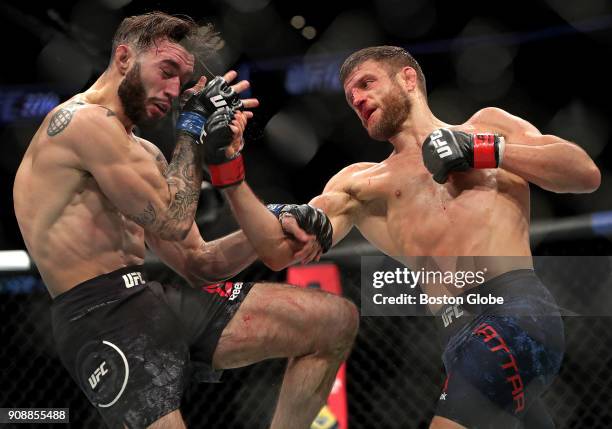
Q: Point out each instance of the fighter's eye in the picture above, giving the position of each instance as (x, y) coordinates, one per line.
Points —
(166, 73)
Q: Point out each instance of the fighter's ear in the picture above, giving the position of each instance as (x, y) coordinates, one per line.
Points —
(408, 76)
(123, 58)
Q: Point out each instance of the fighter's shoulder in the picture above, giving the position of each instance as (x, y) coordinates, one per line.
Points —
(345, 176)
(74, 118)
(501, 120)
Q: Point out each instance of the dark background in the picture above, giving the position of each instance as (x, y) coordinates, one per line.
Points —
(544, 61)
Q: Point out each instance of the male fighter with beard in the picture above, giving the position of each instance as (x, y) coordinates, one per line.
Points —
(89, 193)
(472, 214)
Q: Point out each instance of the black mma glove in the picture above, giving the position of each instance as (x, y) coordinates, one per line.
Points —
(201, 105)
(312, 220)
(445, 151)
(218, 136)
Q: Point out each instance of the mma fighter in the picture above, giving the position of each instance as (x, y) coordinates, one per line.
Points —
(454, 197)
(89, 193)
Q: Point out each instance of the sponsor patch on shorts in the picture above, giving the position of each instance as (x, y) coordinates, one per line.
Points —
(229, 290)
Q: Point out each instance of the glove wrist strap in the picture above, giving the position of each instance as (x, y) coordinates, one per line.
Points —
(276, 209)
(227, 174)
(192, 123)
(486, 151)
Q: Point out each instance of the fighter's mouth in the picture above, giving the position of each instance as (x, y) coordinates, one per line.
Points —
(162, 107)
(366, 113)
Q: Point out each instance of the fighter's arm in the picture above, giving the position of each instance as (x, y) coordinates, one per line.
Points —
(269, 237)
(276, 246)
(548, 161)
(197, 261)
(338, 204)
(201, 262)
(162, 205)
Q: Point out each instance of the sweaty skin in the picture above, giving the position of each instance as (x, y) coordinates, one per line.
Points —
(71, 229)
(89, 193)
(88, 190)
(466, 223)
(475, 216)
(478, 220)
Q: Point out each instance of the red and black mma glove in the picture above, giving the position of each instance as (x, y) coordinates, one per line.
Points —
(311, 219)
(218, 135)
(200, 106)
(445, 151)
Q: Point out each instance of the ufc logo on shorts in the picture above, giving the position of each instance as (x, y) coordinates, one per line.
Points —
(441, 146)
(218, 101)
(236, 291)
(133, 279)
(94, 378)
(449, 312)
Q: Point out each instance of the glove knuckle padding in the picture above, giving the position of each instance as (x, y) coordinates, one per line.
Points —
(202, 106)
(218, 135)
(312, 220)
(216, 94)
(224, 171)
(445, 151)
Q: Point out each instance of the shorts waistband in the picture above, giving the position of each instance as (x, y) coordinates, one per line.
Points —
(523, 283)
(120, 282)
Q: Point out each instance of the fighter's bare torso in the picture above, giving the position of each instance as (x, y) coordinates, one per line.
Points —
(401, 210)
(480, 212)
(69, 226)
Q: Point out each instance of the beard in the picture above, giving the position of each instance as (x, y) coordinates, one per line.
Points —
(396, 107)
(133, 95)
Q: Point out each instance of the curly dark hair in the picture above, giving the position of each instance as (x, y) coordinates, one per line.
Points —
(143, 31)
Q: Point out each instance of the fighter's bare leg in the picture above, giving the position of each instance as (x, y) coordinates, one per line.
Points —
(443, 423)
(314, 329)
(172, 420)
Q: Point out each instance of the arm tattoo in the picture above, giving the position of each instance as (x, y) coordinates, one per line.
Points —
(186, 161)
(61, 119)
(147, 217)
(184, 177)
(162, 163)
(184, 202)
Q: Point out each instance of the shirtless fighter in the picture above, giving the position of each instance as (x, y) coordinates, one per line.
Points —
(457, 195)
(89, 193)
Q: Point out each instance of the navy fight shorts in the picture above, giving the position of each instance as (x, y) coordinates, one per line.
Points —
(500, 358)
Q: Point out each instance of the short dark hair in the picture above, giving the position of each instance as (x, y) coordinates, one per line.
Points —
(393, 56)
(143, 31)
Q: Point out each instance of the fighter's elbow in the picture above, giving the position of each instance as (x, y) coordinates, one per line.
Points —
(583, 181)
(588, 176)
(591, 179)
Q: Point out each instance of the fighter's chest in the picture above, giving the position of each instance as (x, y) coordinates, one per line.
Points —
(406, 189)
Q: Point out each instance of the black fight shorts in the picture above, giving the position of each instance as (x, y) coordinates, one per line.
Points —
(131, 345)
(500, 358)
